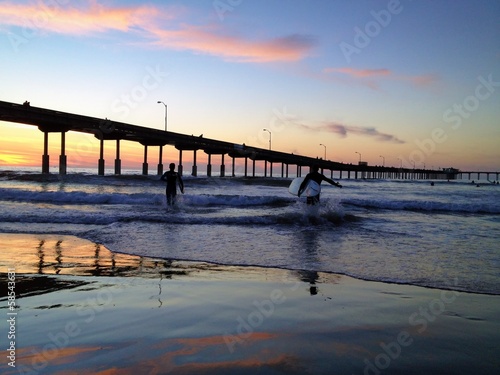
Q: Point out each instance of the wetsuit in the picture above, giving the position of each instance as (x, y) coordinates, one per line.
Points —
(172, 179)
(316, 177)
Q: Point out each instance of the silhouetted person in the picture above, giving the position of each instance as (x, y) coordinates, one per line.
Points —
(316, 177)
(173, 179)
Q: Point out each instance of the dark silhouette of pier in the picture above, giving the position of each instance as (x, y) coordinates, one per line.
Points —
(52, 121)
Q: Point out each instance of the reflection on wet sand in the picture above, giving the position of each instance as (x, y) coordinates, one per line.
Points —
(27, 285)
(38, 257)
(68, 255)
(213, 319)
(76, 257)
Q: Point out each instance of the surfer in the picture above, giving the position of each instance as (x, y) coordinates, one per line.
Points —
(316, 177)
(173, 179)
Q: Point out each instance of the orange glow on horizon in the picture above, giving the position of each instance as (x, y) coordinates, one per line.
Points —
(22, 146)
(16, 160)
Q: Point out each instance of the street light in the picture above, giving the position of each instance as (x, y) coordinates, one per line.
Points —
(269, 137)
(321, 144)
(401, 163)
(359, 155)
(383, 165)
(159, 101)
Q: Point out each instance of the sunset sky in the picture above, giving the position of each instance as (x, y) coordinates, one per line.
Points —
(411, 82)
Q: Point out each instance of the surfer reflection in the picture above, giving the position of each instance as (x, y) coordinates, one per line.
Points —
(173, 179)
(307, 252)
(310, 277)
(316, 177)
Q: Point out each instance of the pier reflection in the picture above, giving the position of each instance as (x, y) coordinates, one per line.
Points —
(67, 255)
(38, 257)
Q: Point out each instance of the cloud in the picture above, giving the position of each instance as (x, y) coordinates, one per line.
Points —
(200, 40)
(424, 80)
(65, 19)
(360, 73)
(372, 77)
(345, 130)
(154, 27)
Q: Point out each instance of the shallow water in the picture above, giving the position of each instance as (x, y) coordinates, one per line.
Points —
(409, 232)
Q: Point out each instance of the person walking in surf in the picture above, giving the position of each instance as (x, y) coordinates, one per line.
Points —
(316, 177)
(173, 179)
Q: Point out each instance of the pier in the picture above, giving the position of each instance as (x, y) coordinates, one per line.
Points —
(106, 131)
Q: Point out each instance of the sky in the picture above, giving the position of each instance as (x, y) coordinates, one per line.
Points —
(394, 82)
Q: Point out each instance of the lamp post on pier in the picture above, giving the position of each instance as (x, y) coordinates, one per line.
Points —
(160, 102)
(383, 163)
(321, 144)
(269, 137)
(358, 154)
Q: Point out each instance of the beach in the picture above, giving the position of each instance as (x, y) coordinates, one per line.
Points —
(250, 187)
(93, 311)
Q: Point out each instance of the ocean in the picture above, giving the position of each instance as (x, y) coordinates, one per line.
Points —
(398, 231)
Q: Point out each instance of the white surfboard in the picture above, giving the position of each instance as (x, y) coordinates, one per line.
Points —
(312, 188)
(295, 185)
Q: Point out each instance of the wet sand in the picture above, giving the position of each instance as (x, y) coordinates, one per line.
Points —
(81, 309)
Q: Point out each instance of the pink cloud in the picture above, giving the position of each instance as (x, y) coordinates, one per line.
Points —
(345, 130)
(360, 73)
(369, 77)
(65, 19)
(154, 26)
(424, 80)
(209, 41)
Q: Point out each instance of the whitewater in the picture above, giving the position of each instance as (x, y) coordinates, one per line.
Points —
(399, 231)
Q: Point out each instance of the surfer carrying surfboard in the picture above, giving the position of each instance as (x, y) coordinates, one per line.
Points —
(173, 179)
(317, 178)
